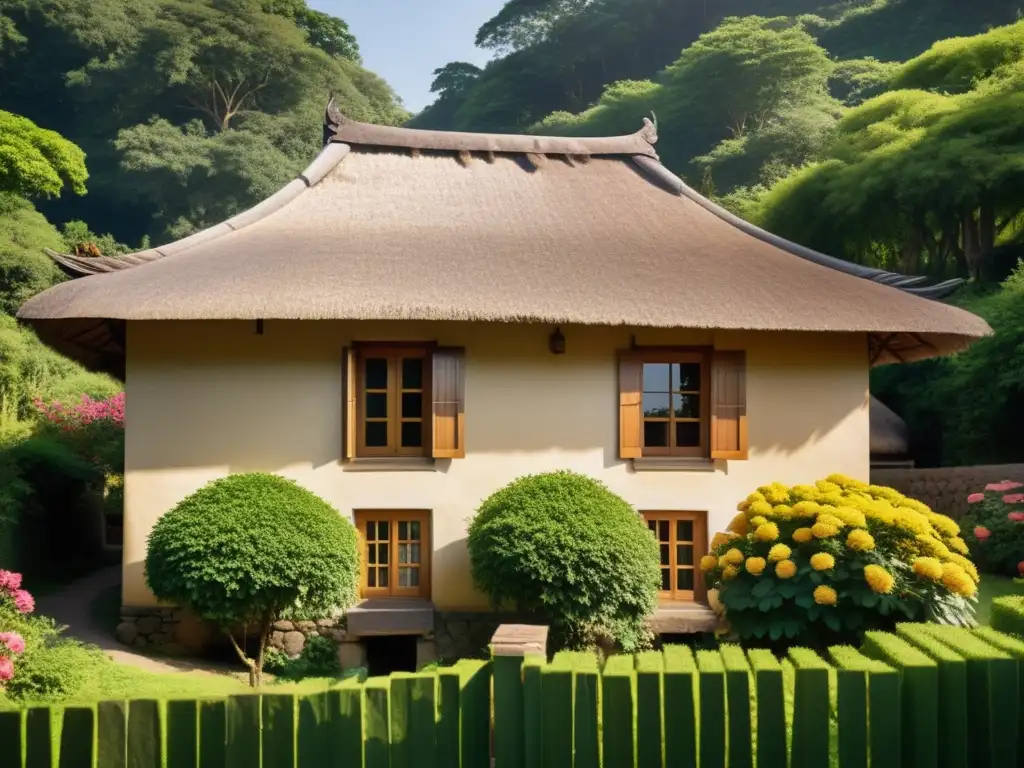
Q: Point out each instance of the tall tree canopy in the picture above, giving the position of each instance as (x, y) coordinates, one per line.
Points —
(35, 162)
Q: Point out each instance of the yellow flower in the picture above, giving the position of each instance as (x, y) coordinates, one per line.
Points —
(734, 556)
(755, 496)
(802, 535)
(785, 569)
(822, 561)
(739, 525)
(776, 493)
(957, 580)
(759, 508)
(756, 565)
(758, 520)
(860, 540)
(782, 511)
(879, 579)
(806, 508)
(851, 517)
(779, 552)
(928, 568)
(823, 530)
(804, 492)
(730, 572)
(767, 532)
(708, 563)
(720, 539)
(723, 562)
(831, 521)
(966, 564)
(958, 545)
(824, 595)
(847, 483)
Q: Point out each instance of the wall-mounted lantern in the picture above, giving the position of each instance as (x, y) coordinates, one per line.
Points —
(556, 342)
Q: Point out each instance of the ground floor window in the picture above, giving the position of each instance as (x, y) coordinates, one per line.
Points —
(395, 553)
(682, 541)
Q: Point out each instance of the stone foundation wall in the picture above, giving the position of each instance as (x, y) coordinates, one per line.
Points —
(945, 489)
(468, 635)
(291, 636)
(149, 627)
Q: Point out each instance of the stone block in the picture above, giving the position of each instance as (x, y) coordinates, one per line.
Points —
(293, 643)
(338, 635)
(284, 626)
(127, 632)
(326, 623)
(140, 642)
(305, 626)
(519, 640)
(351, 655)
(277, 640)
(426, 653)
(159, 638)
(148, 624)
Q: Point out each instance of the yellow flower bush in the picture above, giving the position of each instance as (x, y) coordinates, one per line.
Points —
(837, 557)
(822, 561)
(824, 595)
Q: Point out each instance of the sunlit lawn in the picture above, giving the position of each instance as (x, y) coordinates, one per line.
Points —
(991, 587)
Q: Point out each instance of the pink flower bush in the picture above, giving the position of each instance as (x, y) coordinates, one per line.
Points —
(84, 412)
(14, 642)
(6, 669)
(23, 601)
(992, 527)
(9, 582)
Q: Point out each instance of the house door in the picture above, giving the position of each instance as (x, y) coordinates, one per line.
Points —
(682, 542)
(395, 553)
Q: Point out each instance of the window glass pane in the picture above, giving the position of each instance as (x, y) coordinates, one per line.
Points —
(684, 530)
(686, 406)
(382, 553)
(403, 553)
(412, 434)
(687, 434)
(383, 577)
(663, 530)
(376, 373)
(686, 377)
(656, 377)
(371, 528)
(666, 580)
(414, 553)
(412, 405)
(656, 434)
(403, 530)
(376, 434)
(414, 577)
(685, 579)
(414, 530)
(371, 577)
(653, 525)
(403, 577)
(376, 405)
(412, 373)
(684, 554)
(656, 404)
(371, 554)
(664, 554)
(382, 530)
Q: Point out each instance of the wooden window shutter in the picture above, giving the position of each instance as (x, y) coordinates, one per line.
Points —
(449, 403)
(631, 422)
(349, 427)
(729, 405)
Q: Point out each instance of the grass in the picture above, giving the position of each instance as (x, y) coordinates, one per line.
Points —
(992, 587)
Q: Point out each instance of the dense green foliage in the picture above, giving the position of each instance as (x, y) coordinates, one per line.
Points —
(1008, 614)
(994, 528)
(828, 562)
(319, 658)
(564, 547)
(245, 548)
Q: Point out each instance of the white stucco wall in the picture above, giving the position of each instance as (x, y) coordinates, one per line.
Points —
(205, 399)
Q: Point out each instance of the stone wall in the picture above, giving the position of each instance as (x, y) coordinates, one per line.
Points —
(291, 636)
(945, 489)
(149, 627)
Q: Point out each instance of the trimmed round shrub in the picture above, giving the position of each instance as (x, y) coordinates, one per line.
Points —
(248, 547)
(994, 528)
(823, 563)
(564, 547)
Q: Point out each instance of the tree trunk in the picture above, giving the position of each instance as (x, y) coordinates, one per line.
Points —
(971, 243)
(986, 241)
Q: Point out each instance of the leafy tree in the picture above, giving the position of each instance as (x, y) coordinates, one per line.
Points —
(245, 548)
(454, 77)
(24, 269)
(521, 23)
(328, 33)
(856, 80)
(35, 162)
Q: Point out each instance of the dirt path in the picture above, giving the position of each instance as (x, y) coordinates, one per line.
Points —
(75, 606)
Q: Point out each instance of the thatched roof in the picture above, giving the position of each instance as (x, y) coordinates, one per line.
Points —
(392, 223)
(889, 435)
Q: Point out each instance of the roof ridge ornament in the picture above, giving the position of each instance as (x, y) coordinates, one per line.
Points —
(649, 132)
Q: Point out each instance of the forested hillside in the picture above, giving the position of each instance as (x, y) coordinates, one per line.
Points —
(144, 120)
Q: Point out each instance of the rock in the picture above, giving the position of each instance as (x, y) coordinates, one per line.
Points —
(284, 626)
(127, 632)
(140, 642)
(160, 638)
(148, 624)
(293, 643)
(178, 614)
(338, 635)
(446, 647)
(305, 626)
(426, 653)
(277, 639)
(327, 623)
(351, 655)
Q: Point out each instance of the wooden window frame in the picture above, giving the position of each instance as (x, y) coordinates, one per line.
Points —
(700, 548)
(393, 353)
(661, 355)
(393, 517)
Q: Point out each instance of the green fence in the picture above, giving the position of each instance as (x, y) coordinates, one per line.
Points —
(922, 697)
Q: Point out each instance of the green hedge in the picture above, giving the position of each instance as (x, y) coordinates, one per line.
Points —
(868, 704)
(1008, 614)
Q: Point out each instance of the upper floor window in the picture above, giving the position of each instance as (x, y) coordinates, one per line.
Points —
(682, 403)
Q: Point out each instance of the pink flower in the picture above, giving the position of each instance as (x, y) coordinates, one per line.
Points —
(1015, 516)
(1013, 498)
(1020, 567)
(9, 582)
(15, 643)
(1005, 485)
(974, 498)
(6, 668)
(981, 533)
(23, 601)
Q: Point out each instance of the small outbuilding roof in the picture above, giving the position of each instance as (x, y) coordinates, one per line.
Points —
(400, 224)
(889, 434)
